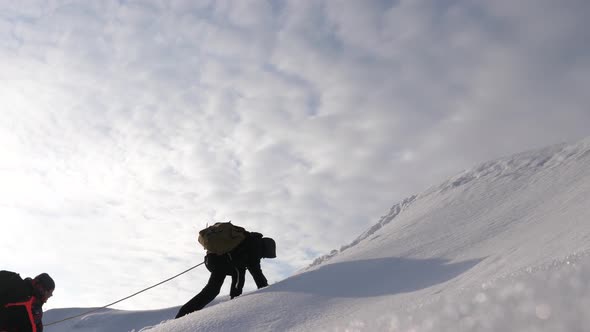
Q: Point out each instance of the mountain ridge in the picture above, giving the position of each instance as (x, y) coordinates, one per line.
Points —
(527, 163)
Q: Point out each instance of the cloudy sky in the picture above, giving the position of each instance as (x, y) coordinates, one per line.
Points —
(127, 126)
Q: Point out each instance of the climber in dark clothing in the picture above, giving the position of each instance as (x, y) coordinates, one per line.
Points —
(246, 255)
(21, 301)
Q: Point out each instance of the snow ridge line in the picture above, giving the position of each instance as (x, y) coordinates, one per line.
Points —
(520, 164)
(384, 220)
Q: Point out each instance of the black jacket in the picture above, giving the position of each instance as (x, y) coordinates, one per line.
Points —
(20, 309)
(246, 255)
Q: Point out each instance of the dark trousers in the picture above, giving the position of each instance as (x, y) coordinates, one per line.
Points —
(257, 275)
(208, 294)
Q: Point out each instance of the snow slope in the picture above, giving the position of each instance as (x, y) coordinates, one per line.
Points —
(503, 246)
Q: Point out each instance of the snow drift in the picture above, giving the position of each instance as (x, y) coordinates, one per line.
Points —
(502, 246)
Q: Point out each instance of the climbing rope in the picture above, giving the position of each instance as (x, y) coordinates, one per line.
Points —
(121, 300)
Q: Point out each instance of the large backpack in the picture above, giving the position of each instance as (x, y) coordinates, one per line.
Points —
(12, 288)
(221, 237)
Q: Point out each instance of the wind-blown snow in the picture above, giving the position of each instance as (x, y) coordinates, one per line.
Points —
(503, 246)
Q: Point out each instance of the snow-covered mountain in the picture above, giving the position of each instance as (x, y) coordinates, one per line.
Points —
(501, 247)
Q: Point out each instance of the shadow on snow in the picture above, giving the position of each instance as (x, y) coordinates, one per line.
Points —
(373, 277)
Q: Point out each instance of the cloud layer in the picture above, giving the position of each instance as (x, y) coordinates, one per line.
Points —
(129, 125)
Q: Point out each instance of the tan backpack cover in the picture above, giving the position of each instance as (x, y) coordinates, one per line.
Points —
(221, 237)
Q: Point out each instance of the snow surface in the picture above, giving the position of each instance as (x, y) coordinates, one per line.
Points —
(501, 247)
